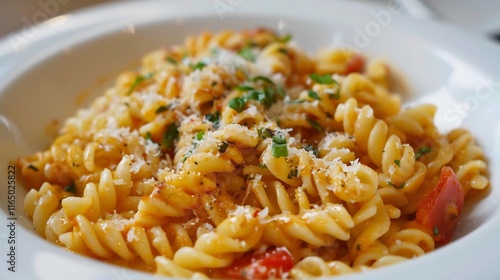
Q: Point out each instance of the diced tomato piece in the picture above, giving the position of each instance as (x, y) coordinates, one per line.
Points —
(271, 264)
(355, 64)
(438, 212)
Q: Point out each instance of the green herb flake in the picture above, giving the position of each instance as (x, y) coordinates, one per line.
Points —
(256, 95)
(279, 147)
(397, 187)
(199, 66)
(279, 150)
(263, 79)
(284, 39)
(247, 54)
(422, 151)
(322, 79)
(397, 162)
(148, 136)
(214, 83)
(281, 91)
(199, 135)
(435, 231)
(267, 97)
(314, 124)
(161, 109)
(187, 154)
(223, 147)
(237, 104)
(313, 95)
(32, 167)
(293, 173)
(296, 101)
(171, 134)
(310, 148)
(283, 51)
(264, 132)
(138, 80)
(262, 165)
(214, 118)
(279, 139)
(244, 88)
(71, 188)
(171, 60)
(335, 95)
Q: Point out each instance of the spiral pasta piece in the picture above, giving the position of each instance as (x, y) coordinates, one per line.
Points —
(468, 161)
(397, 160)
(238, 233)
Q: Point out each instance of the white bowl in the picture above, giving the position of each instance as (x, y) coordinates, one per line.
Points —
(75, 57)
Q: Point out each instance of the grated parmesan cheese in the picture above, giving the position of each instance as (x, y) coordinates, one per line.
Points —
(131, 236)
(136, 166)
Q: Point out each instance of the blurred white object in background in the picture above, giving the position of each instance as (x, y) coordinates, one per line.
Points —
(477, 15)
(480, 15)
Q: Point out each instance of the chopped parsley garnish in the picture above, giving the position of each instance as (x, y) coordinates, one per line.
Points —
(247, 54)
(279, 147)
(223, 147)
(314, 124)
(171, 60)
(148, 136)
(397, 162)
(171, 134)
(71, 188)
(262, 165)
(422, 151)
(199, 66)
(310, 148)
(237, 104)
(214, 83)
(296, 101)
(279, 139)
(313, 95)
(435, 231)
(284, 39)
(264, 132)
(336, 95)
(281, 91)
(199, 135)
(322, 79)
(188, 153)
(283, 51)
(397, 187)
(161, 109)
(266, 97)
(138, 80)
(244, 88)
(293, 173)
(214, 118)
(263, 79)
(32, 167)
(268, 94)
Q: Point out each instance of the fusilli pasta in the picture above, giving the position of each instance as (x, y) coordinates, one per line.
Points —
(239, 148)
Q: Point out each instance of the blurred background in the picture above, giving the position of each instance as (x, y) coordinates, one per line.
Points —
(477, 15)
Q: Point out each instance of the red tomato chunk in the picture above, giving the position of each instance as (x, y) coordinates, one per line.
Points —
(438, 212)
(271, 264)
